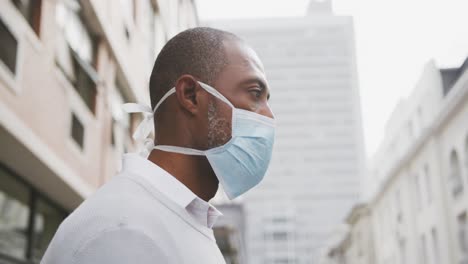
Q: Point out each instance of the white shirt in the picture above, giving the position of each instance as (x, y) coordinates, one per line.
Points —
(203, 212)
(143, 215)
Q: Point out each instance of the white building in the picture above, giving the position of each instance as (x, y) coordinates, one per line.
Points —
(420, 209)
(419, 199)
(357, 246)
(313, 179)
(66, 66)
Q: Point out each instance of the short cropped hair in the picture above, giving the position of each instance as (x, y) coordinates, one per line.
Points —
(197, 51)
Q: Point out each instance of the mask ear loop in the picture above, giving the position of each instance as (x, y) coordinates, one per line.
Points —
(215, 93)
(175, 149)
(169, 93)
(221, 97)
(190, 151)
(144, 128)
(180, 150)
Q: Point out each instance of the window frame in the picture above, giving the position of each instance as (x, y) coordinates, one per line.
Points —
(462, 233)
(456, 184)
(10, 79)
(121, 132)
(78, 64)
(80, 142)
(91, 74)
(34, 197)
(418, 191)
(34, 17)
(428, 182)
(466, 158)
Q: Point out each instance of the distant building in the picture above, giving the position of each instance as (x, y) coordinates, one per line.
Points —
(229, 232)
(357, 246)
(313, 180)
(66, 66)
(419, 199)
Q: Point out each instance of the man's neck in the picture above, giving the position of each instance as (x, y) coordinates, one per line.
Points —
(193, 171)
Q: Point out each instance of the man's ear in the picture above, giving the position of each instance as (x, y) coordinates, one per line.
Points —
(186, 92)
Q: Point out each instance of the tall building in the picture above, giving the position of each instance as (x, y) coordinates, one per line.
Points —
(314, 176)
(66, 66)
(419, 178)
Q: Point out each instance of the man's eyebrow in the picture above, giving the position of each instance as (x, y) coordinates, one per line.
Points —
(259, 82)
(255, 80)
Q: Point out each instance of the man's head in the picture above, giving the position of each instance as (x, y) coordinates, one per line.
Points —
(192, 117)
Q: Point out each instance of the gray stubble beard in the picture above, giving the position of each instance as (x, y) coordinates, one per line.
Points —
(218, 127)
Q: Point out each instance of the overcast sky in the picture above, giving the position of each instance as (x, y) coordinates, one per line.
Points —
(395, 38)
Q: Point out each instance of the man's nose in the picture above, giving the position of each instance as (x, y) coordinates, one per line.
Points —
(266, 111)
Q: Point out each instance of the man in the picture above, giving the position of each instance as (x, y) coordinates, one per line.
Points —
(156, 210)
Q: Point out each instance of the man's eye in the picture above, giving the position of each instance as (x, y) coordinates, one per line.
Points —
(256, 92)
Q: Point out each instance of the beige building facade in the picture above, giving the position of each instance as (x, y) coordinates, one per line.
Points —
(417, 182)
(357, 245)
(66, 66)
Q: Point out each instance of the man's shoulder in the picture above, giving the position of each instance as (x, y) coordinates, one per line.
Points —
(120, 204)
(115, 241)
(112, 198)
(121, 199)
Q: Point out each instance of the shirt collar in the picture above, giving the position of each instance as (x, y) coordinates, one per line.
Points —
(172, 188)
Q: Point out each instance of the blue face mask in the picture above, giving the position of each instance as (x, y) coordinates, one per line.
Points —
(242, 162)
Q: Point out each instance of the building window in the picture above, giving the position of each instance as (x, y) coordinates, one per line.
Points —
(31, 10)
(76, 53)
(427, 178)
(435, 245)
(77, 131)
(423, 248)
(279, 220)
(122, 122)
(456, 181)
(463, 234)
(398, 206)
(113, 124)
(418, 193)
(411, 130)
(128, 13)
(280, 236)
(420, 118)
(282, 261)
(47, 220)
(14, 213)
(402, 246)
(466, 157)
(28, 220)
(8, 47)
(84, 84)
(359, 244)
